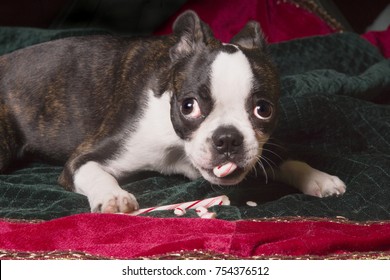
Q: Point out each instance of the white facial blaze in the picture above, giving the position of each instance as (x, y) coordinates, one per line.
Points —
(231, 85)
(231, 82)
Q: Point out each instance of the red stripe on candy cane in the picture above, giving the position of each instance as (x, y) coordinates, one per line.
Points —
(206, 203)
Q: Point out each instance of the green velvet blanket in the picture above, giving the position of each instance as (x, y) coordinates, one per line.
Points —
(334, 114)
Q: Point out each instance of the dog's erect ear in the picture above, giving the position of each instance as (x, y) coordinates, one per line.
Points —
(250, 37)
(192, 34)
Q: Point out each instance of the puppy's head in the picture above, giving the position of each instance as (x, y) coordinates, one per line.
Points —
(224, 98)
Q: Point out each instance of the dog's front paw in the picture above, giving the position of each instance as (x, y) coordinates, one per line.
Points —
(119, 201)
(310, 180)
(321, 184)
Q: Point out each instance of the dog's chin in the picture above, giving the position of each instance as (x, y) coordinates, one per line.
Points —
(232, 179)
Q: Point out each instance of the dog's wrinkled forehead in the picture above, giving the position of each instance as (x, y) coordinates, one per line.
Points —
(222, 76)
(231, 78)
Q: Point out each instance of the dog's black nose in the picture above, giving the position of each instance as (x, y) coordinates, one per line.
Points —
(227, 140)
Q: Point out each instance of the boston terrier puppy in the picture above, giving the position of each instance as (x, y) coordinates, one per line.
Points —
(110, 106)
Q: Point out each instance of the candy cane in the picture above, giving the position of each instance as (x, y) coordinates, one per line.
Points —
(182, 207)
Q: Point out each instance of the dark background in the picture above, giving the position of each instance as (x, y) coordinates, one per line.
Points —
(144, 16)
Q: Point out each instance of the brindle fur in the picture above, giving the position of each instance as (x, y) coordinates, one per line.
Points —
(70, 100)
(60, 99)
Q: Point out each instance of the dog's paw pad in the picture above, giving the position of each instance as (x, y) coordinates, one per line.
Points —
(117, 202)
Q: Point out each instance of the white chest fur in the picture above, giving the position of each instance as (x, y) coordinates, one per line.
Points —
(153, 145)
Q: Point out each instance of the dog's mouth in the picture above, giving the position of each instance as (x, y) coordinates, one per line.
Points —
(228, 173)
(225, 169)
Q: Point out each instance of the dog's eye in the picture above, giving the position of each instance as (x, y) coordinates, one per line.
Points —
(263, 110)
(190, 108)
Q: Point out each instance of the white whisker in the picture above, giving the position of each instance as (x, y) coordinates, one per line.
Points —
(270, 151)
(267, 161)
(265, 158)
(272, 144)
(265, 172)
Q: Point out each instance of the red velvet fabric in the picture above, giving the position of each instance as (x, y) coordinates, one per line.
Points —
(381, 39)
(123, 236)
(279, 20)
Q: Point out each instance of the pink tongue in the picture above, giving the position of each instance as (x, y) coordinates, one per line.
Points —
(224, 170)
